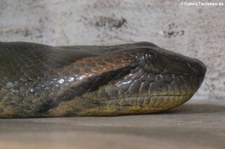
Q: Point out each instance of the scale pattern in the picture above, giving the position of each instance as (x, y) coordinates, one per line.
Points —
(45, 81)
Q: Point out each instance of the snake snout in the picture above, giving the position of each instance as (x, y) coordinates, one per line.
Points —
(199, 69)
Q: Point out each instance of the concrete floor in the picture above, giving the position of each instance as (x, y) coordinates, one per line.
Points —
(197, 124)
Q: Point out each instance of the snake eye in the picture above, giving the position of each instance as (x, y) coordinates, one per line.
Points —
(150, 56)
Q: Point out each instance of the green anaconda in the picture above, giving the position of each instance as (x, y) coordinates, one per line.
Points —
(44, 81)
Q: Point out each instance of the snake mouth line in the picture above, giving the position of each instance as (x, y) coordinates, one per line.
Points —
(135, 105)
(164, 102)
(143, 98)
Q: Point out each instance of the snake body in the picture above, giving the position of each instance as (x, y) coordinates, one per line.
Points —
(44, 81)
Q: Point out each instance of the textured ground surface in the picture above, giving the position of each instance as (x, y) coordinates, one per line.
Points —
(196, 31)
(196, 125)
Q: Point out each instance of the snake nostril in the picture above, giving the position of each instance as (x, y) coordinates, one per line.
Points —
(198, 68)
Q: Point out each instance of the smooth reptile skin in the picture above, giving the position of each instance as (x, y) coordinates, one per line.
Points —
(45, 81)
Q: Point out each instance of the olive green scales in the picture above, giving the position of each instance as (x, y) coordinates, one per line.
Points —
(45, 81)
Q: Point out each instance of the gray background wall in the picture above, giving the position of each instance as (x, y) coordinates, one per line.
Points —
(196, 31)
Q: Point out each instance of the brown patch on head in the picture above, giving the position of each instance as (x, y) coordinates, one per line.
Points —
(96, 65)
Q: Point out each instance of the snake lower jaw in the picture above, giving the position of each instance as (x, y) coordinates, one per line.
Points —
(140, 105)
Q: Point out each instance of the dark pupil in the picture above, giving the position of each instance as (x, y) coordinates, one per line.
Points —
(149, 56)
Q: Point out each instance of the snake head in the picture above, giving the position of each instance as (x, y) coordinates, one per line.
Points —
(152, 79)
(168, 66)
